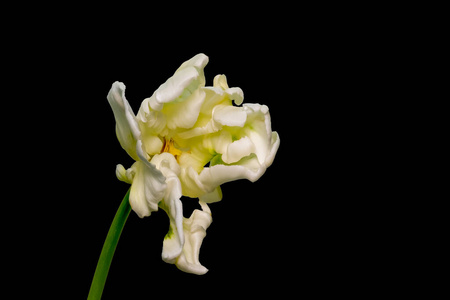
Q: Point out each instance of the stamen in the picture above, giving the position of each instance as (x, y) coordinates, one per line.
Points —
(170, 148)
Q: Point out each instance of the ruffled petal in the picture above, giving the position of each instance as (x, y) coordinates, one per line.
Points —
(214, 196)
(248, 167)
(217, 109)
(230, 116)
(258, 129)
(123, 174)
(188, 77)
(177, 102)
(194, 231)
(184, 114)
(236, 94)
(127, 128)
(240, 153)
(148, 186)
(238, 149)
(171, 204)
(174, 87)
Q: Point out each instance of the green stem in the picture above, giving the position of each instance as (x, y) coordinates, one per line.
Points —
(109, 247)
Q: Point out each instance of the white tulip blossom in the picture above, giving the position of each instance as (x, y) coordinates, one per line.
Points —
(187, 139)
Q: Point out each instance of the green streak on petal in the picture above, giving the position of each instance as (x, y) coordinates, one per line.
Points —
(109, 247)
(169, 233)
(216, 160)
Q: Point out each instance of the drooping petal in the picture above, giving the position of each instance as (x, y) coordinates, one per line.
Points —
(194, 231)
(127, 128)
(171, 204)
(148, 186)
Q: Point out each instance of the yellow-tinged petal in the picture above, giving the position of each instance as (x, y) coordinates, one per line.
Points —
(148, 186)
(124, 175)
(184, 114)
(214, 196)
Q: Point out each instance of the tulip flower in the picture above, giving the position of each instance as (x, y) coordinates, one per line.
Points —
(187, 139)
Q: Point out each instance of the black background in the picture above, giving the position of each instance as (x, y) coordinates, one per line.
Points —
(291, 231)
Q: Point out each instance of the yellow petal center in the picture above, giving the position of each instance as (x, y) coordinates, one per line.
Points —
(170, 148)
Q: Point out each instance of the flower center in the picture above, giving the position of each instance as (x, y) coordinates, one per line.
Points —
(170, 148)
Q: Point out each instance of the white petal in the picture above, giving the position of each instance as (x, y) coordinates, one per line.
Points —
(184, 114)
(188, 77)
(124, 175)
(191, 185)
(230, 115)
(151, 120)
(194, 231)
(173, 87)
(220, 81)
(275, 144)
(174, 240)
(148, 185)
(238, 150)
(171, 204)
(166, 160)
(127, 128)
(199, 61)
(236, 94)
(247, 168)
(152, 142)
(258, 129)
(214, 196)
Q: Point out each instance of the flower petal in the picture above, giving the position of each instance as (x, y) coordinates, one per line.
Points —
(230, 115)
(214, 196)
(236, 94)
(238, 149)
(171, 204)
(177, 102)
(148, 187)
(194, 231)
(173, 88)
(184, 114)
(199, 61)
(258, 129)
(249, 167)
(188, 77)
(124, 175)
(127, 128)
